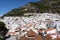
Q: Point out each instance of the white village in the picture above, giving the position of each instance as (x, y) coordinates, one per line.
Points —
(29, 28)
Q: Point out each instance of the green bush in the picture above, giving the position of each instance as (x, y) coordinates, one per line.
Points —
(1, 38)
(3, 30)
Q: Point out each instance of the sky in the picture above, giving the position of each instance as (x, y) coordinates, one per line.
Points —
(7, 5)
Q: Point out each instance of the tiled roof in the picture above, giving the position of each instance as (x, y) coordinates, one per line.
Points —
(49, 29)
(35, 38)
(48, 37)
(29, 25)
(57, 38)
(54, 34)
(31, 36)
(31, 32)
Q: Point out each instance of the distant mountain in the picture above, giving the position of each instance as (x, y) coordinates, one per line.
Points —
(43, 6)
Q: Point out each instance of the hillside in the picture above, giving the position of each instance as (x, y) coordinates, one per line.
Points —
(43, 6)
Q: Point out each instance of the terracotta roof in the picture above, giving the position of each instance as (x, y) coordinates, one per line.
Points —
(49, 20)
(48, 37)
(57, 38)
(31, 33)
(35, 38)
(54, 34)
(49, 29)
(29, 25)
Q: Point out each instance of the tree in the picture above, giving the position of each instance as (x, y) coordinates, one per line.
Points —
(3, 30)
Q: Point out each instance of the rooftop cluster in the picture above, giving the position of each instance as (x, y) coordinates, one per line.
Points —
(40, 24)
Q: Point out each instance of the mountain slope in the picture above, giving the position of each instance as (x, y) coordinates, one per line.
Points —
(43, 6)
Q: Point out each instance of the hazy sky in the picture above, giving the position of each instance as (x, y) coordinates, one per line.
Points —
(7, 5)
